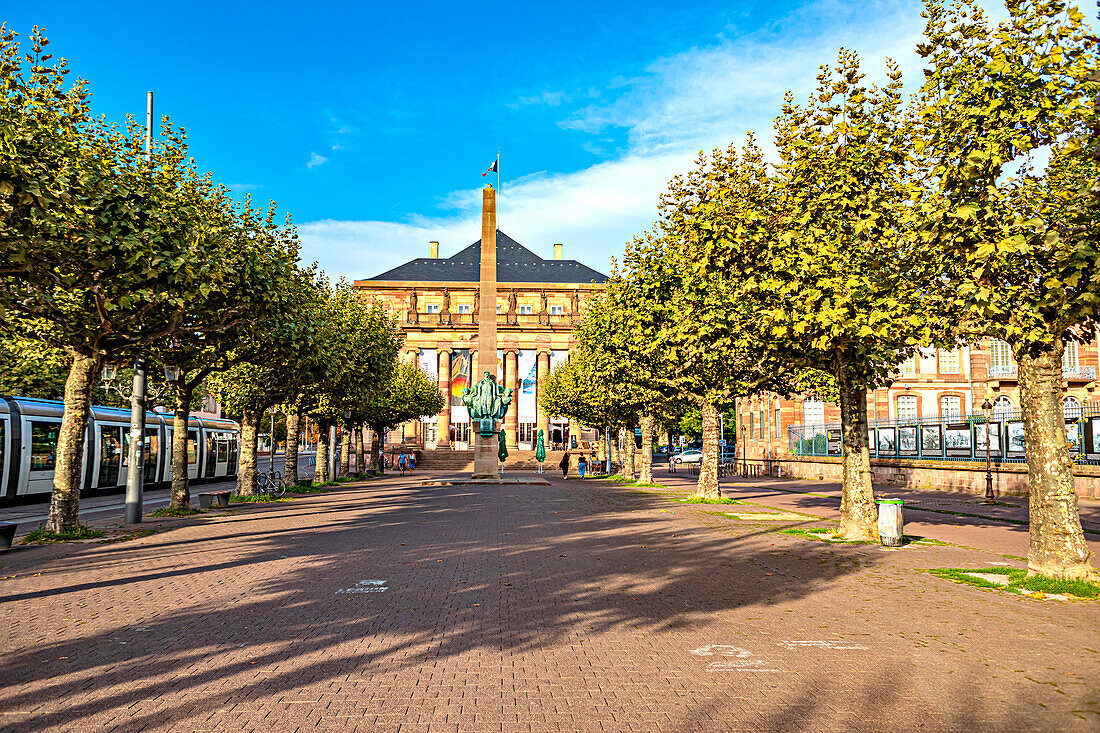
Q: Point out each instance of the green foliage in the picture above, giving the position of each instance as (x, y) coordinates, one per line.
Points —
(41, 536)
(1023, 239)
(32, 369)
(406, 393)
(1019, 580)
(166, 511)
(703, 500)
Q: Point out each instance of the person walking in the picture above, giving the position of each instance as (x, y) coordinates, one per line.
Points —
(564, 466)
(582, 464)
(402, 463)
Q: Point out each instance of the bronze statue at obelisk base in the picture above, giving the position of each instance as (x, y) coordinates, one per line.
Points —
(487, 402)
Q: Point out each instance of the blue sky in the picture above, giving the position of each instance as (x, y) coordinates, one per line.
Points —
(371, 122)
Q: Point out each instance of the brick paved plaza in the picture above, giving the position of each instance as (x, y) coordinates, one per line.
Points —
(575, 607)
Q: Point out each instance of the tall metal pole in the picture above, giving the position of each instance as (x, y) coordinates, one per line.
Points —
(135, 476)
(271, 462)
(988, 463)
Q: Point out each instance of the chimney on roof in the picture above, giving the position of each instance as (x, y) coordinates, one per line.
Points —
(557, 251)
(433, 250)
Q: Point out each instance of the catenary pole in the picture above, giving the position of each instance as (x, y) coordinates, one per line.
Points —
(135, 474)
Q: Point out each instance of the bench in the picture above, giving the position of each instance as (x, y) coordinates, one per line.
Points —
(207, 499)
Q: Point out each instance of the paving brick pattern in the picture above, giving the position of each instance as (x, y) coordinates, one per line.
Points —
(575, 607)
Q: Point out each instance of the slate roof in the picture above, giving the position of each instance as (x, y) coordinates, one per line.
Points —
(515, 264)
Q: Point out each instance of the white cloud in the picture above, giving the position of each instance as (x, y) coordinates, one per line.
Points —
(698, 99)
(244, 187)
(316, 160)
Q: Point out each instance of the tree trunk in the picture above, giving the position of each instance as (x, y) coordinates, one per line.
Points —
(290, 455)
(65, 500)
(708, 466)
(646, 474)
(246, 470)
(345, 449)
(360, 454)
(858, 512)
(1057, 545)
(631, 453)
(376, 463)
(320, 471)
(180, 497)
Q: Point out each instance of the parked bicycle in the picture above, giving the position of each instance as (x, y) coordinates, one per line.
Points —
(270, 483)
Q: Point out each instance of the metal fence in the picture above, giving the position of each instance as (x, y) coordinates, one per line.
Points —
(951, 437)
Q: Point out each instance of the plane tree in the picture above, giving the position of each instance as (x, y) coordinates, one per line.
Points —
(999, 98)
(404, 392)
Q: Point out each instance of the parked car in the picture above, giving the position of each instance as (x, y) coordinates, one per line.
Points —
(688, 456)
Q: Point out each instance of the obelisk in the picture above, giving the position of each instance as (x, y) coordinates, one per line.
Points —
(485, 447)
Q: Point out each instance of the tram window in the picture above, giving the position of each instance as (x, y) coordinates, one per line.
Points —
(192, 447)
(232, 440)
(223, 448)
(211, 454)
(126, 448)
(3, 443)
(110, 451)
(152, 445)
(44, 445)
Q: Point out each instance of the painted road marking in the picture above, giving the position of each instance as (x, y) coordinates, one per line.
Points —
(820, 644)
(367, 586)
(740, 661)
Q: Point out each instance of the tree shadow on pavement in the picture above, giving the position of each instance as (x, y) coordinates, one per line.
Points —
(382, 581)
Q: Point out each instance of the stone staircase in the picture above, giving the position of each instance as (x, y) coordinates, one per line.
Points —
(459, 461)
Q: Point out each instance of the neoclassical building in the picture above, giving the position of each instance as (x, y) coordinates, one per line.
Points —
(436, 301)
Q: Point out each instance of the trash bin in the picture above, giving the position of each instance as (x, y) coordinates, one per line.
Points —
(890, 522)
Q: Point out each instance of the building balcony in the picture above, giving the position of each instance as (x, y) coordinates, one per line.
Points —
(533, 320)
(1080, 373)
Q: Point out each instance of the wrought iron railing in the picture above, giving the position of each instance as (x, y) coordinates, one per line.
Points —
(951, 437)
(1011, 371)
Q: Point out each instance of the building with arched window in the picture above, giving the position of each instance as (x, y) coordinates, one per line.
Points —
(436, 302)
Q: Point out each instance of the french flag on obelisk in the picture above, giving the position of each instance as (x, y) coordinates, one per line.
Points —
(494, 168)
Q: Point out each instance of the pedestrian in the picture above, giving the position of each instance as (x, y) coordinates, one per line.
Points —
(412, 461)
(582, 464)
(671, 462)
(564, 466)
(402, 463)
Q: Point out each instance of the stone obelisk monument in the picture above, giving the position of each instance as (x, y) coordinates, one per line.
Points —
(485, 446)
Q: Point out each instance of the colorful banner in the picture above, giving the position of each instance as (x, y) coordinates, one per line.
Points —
(460, 375)
(429, 363)
(526, 378)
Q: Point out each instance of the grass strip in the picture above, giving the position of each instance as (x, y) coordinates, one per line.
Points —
(823, 536)
(165, 511)
(256, 498)
(1019, 580)
(40, 536)
(310, 489)
(702, 500)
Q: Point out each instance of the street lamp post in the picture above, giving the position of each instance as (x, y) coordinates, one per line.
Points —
(987, 408)
(271, 461)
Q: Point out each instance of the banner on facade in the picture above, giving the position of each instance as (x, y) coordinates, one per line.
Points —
(460, 375)
(526, 365)
(427, 361)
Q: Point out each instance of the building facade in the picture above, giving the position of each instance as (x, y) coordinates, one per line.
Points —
(436, 301)
(935, 384)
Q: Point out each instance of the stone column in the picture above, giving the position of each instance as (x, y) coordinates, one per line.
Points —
(511, 381)
(444, 427)
(542, 371)
(485, 447)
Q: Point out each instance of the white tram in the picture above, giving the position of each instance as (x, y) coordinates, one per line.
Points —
(28, 448)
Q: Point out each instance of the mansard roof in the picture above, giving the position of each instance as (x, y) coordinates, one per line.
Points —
(515, 264)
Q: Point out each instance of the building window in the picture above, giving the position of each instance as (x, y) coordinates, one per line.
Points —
(1069, 357)
(752, 426)
(950, 405)
(433, 308)
(1071, 407)
(1002, 406)
(949, 361)
(907, 407)
(813, 412)
(464, 307)
(526, 309)
(908, 368)
(557, 310)
(778, 420)
(1000, 355)
(761, 422)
